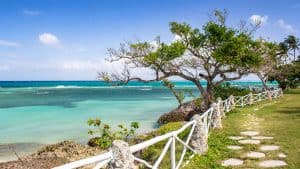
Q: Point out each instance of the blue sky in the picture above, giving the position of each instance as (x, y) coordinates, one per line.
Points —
(68, 40)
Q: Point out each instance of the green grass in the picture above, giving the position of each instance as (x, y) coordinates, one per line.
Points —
(279, 118)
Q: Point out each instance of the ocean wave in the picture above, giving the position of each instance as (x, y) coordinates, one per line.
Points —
(146, 89)
(63, 87)
(40, 93)
(167, 97)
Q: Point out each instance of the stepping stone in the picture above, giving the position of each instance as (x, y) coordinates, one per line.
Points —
(249, 141)
(249, 133)
(236, 137)
(262, 138)
(232, 162)
(253, 154)
(272, 163)
(269, 148)
(281, 155)
(233, 147)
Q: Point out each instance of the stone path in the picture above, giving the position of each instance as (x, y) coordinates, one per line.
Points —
(253, 138)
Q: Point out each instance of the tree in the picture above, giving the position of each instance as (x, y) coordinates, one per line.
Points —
(271, 54)
(287, 75)
(284, 49)
(179, 95)
(215, 54)
(293, 44)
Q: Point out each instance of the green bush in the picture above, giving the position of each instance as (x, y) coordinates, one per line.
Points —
(225, 90)
(107, 135)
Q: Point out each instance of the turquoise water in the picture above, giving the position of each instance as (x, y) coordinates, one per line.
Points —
(51, 111)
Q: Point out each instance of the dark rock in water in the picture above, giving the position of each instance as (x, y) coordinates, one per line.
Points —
(53, 155)
(182, 113)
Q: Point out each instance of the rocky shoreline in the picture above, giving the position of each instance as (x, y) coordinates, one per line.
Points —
(52, 155)
(183, 113)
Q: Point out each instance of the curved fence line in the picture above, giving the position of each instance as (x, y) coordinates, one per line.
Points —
(121, 155)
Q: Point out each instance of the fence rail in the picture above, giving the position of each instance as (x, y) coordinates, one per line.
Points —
(121, 155)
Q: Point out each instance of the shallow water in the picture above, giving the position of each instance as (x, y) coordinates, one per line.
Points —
(49, 112)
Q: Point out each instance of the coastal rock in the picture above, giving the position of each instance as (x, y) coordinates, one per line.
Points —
(66, 149)
(182, 113)
(52, 155)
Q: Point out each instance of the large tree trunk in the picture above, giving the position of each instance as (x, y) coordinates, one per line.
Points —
(264, 80)
(208, 97)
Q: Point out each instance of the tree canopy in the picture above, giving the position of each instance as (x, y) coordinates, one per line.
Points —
(215, 53)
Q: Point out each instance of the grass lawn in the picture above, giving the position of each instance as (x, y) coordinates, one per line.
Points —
(279, 118)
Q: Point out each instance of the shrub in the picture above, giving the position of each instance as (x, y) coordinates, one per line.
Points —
(107, 135)
(225, 90)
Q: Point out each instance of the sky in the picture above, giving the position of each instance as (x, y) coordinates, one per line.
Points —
(68, 40)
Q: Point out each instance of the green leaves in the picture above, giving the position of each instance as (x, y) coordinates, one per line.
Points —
(106, 135)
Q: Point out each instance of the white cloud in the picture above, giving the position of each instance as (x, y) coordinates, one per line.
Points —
(31, 12)
(8, 43)
(48, 39)
(286, 27)
(258, 19)
(80, 65)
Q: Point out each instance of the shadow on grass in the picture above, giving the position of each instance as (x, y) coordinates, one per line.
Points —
(290, 110)
(293, 91)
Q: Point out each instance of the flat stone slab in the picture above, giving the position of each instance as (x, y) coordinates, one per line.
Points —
(269, 148)
(249, 133)
(236, 137)
(253, 154)
(262, 138)
(232, 162)
(281, 155)
(233, 147)
(272, 163)
(249, 141)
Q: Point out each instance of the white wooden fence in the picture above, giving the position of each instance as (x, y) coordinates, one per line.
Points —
(121, 156)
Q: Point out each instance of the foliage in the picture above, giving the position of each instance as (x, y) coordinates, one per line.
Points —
(225, 90)
(293, 44)
(216, 53)
(179, 95)
(272, 57)
(107, 135)
(288, 75)
(217, 143)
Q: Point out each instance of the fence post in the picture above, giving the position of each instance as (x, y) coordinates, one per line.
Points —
(231, 102)
(216, 116)
(269, 95)
(280, 92)
(221, 107)
(250, 98)
(173, 153)
(199, 137)
(122, 156)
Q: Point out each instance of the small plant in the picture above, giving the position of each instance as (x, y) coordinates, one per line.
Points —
(107, 135)
(179, 95)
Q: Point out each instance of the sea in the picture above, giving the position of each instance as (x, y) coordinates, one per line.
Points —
(35, 113)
